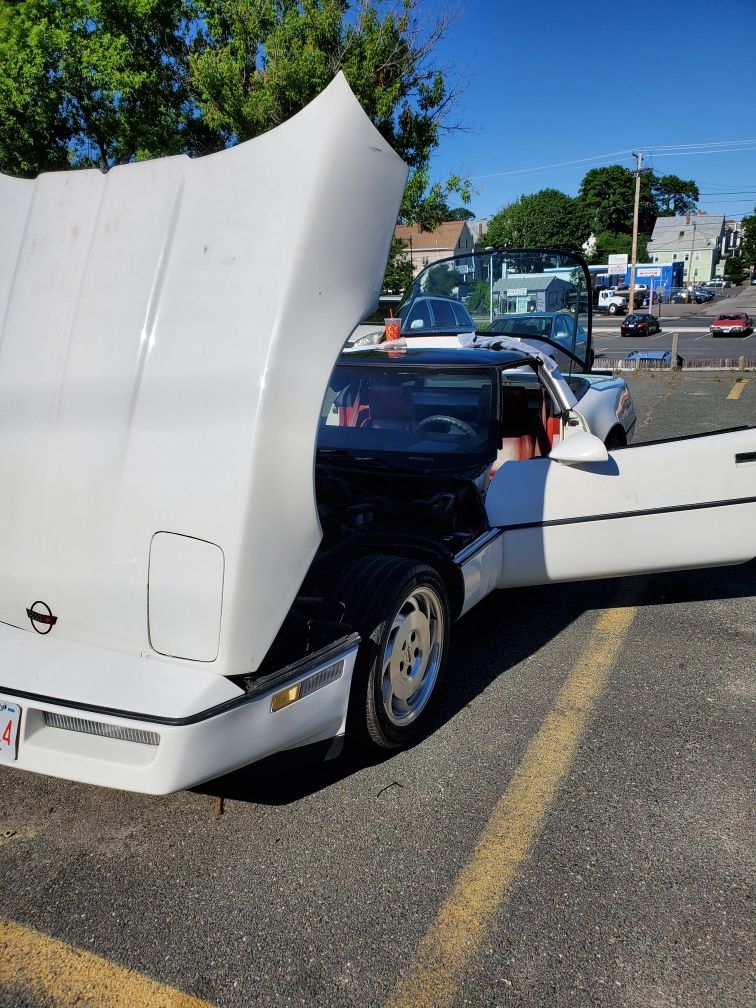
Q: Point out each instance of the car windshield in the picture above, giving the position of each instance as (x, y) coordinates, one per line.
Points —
(532, 293)
(729, 318)
(418, 418)
(523, 325)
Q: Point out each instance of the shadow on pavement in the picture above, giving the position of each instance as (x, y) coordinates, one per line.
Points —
(505, 629)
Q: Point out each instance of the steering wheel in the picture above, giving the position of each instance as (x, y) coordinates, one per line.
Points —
(450, 421)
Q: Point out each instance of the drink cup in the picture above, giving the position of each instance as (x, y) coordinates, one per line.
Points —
(393, 328)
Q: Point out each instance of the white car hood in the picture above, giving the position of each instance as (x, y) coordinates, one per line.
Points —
(168, 330)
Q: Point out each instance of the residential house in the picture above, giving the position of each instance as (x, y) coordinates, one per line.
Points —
(426, 247)
(698, 240)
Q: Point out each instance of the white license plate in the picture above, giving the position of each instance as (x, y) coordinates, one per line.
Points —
(10, 720)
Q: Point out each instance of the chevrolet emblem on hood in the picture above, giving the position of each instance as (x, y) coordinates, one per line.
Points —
(41, 617)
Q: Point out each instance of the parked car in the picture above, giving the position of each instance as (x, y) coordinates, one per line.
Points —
(731, 324)
(698, 296)
(229, 539)
(557, 328)
(716, 282)
(424, 316)
(639, 324)
(658, 358)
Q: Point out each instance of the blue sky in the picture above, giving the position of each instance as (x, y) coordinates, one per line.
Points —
(551, 82)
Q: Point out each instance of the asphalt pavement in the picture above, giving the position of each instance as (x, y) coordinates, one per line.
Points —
(691, 323)
(575, 830)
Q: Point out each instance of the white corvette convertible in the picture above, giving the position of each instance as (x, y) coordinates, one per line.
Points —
(220, 538)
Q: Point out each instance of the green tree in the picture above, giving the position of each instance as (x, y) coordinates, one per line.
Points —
(459, 213)
(103, 82)
(610, 244)
(443, 282)
(257, 62)
(674, 196)
(399, 272)
(748, 238)
(95, 82)
(546, 218)
(607, 196)
(479, 301)
(735, 269)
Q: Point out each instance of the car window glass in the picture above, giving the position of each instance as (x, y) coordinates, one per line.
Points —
(419, 312)
(443, 315)
(462, 316)
(529, 288)
(393, 411)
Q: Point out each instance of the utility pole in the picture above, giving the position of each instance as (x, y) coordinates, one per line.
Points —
(639, 159)
(690, 258)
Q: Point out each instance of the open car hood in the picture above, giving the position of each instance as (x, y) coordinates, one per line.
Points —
(168, 333)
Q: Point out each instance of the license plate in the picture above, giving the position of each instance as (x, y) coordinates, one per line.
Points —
(10, 719)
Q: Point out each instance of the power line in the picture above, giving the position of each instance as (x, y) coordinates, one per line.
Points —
(559, 164)
(715, 143)
(665, 150)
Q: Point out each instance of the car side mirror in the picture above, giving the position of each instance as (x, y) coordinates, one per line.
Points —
(417, 324)
(579, 449)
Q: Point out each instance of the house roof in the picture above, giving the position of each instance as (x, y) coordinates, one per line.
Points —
(676, 233)
(529, 281)
(446, 236)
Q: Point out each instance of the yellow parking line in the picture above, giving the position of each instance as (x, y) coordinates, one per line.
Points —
(737, 389)
(454, 939)
(44, 967)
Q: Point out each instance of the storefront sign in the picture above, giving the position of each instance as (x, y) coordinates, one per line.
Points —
(617, 263)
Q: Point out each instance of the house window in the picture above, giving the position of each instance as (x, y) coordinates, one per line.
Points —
(682, 234)
(695, 272)
(425, 260)
(697, 256)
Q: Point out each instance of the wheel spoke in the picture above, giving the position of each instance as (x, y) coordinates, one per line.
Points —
(412, 656)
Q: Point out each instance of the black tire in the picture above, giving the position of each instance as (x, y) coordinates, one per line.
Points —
(375, 590)
(613, 309)
(615, 439)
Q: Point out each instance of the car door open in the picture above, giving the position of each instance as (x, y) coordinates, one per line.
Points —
(669, 505)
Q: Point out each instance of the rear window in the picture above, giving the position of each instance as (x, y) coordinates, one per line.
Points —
(443, 314)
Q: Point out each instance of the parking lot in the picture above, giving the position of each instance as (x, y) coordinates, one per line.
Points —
(691, 323)
(575, 830)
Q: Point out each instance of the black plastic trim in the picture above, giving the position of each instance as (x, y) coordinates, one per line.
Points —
(628, 514)
(690, 437)
(328, 654)
(741, 457)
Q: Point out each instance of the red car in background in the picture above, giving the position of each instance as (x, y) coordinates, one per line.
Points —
(731, 323)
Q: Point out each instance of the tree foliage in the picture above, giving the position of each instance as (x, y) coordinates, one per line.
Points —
(258, 62)
(736, 269)
(443, 282)
(748, 239)
(674, 196)
(399, 272)
(479, 301)
(545, 218)
(610, 244)
(94, 82)
(608, 196)
(103, 82)
(459, 214)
